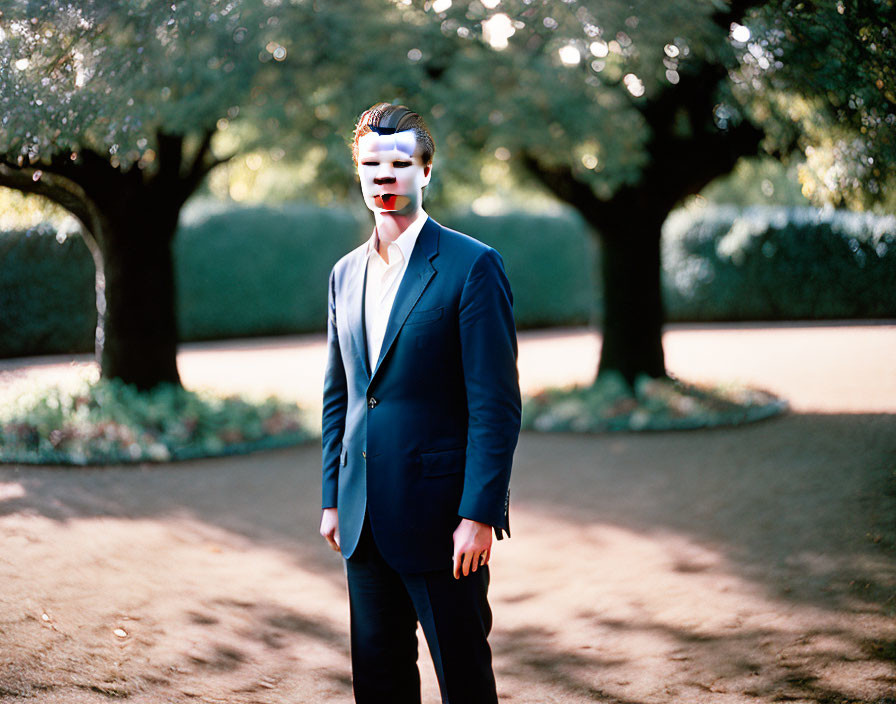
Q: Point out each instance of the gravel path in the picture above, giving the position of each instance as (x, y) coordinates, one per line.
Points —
(724, 566)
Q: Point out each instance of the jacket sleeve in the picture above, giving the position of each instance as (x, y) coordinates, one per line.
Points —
(335, 402)
(489, 354)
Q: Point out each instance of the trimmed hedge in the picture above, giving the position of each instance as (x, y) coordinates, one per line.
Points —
(259, 270)
(549, 260)
(47, 295)
(768, 263)
(262, 270)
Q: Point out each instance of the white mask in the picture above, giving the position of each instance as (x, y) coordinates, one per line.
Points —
(392, 172)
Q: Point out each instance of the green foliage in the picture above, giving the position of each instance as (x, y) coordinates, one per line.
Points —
(549, 260)
(110, 76)
(823, 73)
(575, 85)
(248, 271)
(47, 299)
(107, 422)
(757, 181)
(610, 404)
(778, 263)
(258, 270)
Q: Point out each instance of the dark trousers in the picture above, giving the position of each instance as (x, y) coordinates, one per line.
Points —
(385, 607)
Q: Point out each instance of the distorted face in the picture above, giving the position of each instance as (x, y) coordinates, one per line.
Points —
(392, 172)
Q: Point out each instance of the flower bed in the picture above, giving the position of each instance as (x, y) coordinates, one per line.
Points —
(107, 422)
(610, 404)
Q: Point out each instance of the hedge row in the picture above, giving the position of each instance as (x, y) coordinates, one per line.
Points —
(258, 270)
(262, 270)
(770, 263)
(47, 298)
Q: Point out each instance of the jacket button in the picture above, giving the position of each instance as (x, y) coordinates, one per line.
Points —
(364, 454)
(371, 402)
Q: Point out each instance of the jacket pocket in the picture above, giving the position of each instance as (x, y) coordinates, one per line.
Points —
(443, 462)
(423, 316)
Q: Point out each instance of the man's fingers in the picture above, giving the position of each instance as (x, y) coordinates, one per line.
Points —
(480, 559)
(472, 543)
(333, 540)
(468, 560)
(329, 528)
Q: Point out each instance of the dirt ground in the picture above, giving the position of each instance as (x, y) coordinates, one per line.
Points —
(752, 564)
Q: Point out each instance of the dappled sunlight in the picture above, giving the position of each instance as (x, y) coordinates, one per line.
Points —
(708, 567)
(172, 604)
(11, 490)
(156, 608)
(629, 616)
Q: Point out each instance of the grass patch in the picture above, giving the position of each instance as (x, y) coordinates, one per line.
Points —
(610, 404)
(96, 422)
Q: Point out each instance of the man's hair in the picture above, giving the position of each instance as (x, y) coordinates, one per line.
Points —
(385, 118)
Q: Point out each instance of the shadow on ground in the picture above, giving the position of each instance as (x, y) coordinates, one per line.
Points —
(793, 497)
(731, 565)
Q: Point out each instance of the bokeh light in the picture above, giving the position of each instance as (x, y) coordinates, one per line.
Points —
(497, 29)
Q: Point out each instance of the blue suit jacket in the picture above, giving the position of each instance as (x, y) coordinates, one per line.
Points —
(424, 435)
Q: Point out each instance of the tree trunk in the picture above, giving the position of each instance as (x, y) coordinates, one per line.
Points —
(130, 219)
(138, 335)
(633, 309)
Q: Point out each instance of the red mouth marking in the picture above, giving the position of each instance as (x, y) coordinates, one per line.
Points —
(390, 201)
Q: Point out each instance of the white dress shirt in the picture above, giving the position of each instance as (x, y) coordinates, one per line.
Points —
(383, 281)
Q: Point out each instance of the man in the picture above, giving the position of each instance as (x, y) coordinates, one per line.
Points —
(421, 416)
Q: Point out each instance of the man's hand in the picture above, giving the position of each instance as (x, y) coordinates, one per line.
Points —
(329, 527)
(472, 546)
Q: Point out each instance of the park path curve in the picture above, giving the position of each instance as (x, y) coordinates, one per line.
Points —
(826, 367)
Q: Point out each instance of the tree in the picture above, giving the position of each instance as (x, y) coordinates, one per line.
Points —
(653, 78)
(623, 109)
(824, 73)
(110, 110)
(669, 98)
(619, 108)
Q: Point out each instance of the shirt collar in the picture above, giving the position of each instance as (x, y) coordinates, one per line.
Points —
(406, 240)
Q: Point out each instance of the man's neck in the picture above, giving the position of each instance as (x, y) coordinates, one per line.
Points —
(389, 227)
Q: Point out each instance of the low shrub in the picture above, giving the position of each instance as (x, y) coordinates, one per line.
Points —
(106, 421)
(610, 404)
(263, 270)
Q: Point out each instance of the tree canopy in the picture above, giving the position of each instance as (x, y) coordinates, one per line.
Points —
(110, 110)
(110, 77)
(586, 85)
(620, 108)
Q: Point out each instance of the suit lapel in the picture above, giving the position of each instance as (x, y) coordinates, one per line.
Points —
(420, 270)
(356, 291)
